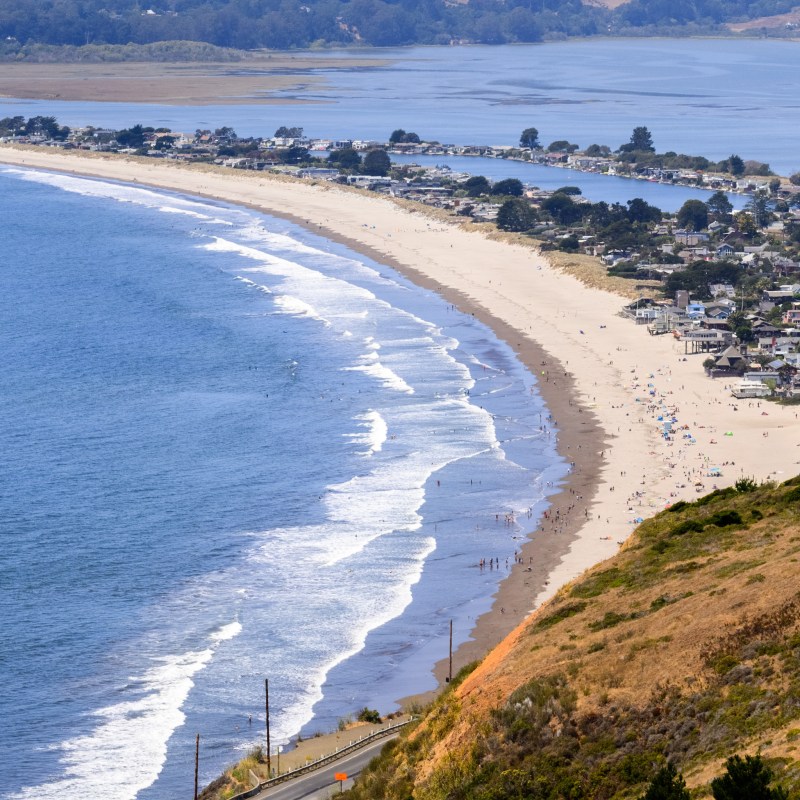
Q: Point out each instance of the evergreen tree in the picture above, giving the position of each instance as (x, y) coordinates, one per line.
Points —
(719, 204)
(509, 186)
(746, 778)
(693, 215)
(516, 215)
(376, 162)
(529, 138)
(476, 186)
(735, 165)
(668, 784)
(641, 141)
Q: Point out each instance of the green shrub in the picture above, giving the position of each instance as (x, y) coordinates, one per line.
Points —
(610, 619)
(724, 518)
(688, 525)
(369, 715)
(792, 496)
(717, 494)
(744, 485)
(565, 612)
(679, 506)
(595, 585)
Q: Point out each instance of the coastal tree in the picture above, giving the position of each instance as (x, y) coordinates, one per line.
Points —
(745, 223)
(561, 146)
(562, 208)
(509, 186)
(746, 778)
(477, 185)
(794, 179)
(376, 162)
(668, 783)
(131, 137)
(759, 207)
(719, 204)
(165, 142)
(573, 191)
(399, 136)
(597, 150)
(602, 214)
(529, 138)
(12, 125)
(288, 133)
(641, 211)
(346, 158)
(226, 132)
(46, 126)
(516, 214)
(294, 155)
(734, 164)
(693, 215)
(641, 141)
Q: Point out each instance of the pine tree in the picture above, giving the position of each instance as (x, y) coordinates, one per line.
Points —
(668, 784)
(746, 778)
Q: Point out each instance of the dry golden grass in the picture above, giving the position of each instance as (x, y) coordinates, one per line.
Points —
(673, 622)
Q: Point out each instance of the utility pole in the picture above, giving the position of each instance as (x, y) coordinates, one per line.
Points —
(450, 669)
(266, 705)
(196, 763)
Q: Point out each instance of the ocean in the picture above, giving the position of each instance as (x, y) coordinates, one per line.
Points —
(233, 450)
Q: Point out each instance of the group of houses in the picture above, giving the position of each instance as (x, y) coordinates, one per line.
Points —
(765, 366)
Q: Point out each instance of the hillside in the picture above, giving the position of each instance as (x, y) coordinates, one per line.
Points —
(685, 646)
(284, 24)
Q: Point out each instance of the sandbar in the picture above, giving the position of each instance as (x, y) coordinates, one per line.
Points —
(280, 78)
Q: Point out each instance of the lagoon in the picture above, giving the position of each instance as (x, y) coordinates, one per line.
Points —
(594, 186)
(699, 96)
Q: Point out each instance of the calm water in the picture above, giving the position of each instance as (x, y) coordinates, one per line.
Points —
(232, 450)
(593, 186)
(700, 96)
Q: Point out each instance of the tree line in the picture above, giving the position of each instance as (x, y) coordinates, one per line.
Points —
(284, 24)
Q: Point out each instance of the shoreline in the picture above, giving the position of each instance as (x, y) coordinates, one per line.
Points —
(542, 314)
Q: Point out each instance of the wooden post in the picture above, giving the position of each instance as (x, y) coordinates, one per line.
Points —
(266, 705)
(196, 763)
(450, 670)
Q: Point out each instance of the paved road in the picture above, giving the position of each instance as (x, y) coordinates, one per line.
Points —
(320, 785)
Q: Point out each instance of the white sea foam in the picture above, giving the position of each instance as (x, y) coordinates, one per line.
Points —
(298, 308)
(124, 193)
(195, 214)
(375, 435)
(384, 375)
(125, 751)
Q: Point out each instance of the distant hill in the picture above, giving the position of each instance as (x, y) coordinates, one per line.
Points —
(685, 647)
(286, 24)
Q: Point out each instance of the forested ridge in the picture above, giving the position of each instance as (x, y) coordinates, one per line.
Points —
(286, 24)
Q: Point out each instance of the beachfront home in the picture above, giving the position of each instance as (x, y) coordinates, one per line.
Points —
(695, 309)
(720, 309)
(729, 359)
(751, 386)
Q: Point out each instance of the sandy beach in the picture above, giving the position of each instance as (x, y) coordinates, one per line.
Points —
(608, 383)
